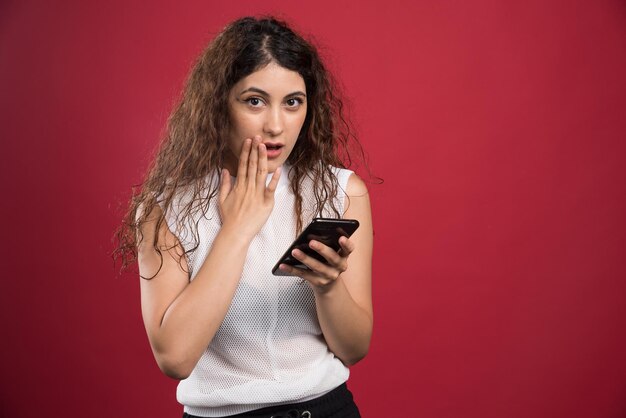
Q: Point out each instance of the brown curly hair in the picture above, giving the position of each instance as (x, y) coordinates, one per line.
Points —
(194, 145)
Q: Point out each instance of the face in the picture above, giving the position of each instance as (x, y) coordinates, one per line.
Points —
(270, 103)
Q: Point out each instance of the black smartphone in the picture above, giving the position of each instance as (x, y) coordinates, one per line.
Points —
(325, 230)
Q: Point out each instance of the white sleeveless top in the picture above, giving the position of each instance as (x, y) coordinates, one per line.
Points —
(269, 349)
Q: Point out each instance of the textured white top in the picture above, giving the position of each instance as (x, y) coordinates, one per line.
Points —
(269, 349)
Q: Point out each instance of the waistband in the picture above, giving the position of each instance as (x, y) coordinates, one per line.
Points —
(325, 405)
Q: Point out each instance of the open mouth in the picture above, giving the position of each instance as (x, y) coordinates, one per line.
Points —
(273, 150)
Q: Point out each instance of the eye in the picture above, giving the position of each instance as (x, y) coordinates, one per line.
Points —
(254, 101)
(294, 102)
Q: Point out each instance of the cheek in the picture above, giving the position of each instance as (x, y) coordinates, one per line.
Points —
(246, 126)
(241, 127)
(297, 122)
(300, 125)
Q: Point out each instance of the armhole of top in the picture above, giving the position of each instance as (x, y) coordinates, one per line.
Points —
(343, 175)
(180, 229)
(168, 222)
(171, 224)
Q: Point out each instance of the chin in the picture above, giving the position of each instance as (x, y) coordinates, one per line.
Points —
(272, 166)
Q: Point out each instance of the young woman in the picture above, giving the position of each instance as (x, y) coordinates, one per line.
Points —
(254, 150)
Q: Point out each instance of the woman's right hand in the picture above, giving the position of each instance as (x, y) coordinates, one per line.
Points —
(245, 206)
(182, 317)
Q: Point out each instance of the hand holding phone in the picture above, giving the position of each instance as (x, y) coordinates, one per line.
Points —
(325, 230)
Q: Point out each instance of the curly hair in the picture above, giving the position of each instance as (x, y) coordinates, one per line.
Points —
(194, 144)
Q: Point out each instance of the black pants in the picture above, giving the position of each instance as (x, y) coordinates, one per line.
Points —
(338, 403)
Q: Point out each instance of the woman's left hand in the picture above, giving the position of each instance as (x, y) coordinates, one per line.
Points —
(322, 276)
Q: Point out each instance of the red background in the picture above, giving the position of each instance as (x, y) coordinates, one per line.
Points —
(498, 128)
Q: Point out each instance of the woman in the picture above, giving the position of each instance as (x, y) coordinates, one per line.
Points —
(252, 154)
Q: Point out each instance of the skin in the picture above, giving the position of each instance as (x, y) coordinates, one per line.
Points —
(181, 317)
(270, 104)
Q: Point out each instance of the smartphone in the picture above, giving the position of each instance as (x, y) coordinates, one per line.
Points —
(325, 230)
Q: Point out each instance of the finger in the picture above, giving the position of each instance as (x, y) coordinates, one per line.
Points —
(253, 161)
(261, 177)
(294, 271)
(331, 256)
(347, 246)
(291, 270)
(314, 265)
(271, 187)
(317, 281)
(225, 186)
(242, 171)
(287, 269)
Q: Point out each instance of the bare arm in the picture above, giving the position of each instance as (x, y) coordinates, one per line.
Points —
(181, 317)
(343, 286)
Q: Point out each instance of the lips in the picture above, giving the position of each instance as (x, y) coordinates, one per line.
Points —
(273, 149)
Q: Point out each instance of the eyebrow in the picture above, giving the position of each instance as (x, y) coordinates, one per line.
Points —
(266, 94)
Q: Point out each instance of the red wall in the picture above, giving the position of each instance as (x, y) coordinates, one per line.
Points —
(499, 128)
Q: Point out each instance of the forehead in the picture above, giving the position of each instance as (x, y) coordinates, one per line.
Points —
(273, 79)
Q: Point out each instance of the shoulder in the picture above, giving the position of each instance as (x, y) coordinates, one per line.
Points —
(349, 181)
(351, 184)
(356, 203)
(188, 195)
(356, 186)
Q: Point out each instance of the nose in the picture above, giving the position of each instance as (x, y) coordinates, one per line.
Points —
(273, 124)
